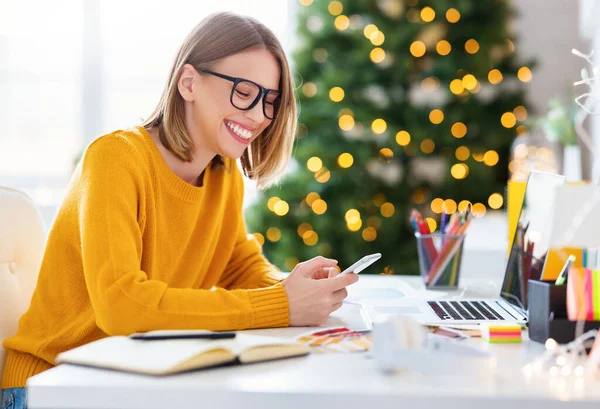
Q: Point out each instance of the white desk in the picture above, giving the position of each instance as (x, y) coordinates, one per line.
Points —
(330, 381)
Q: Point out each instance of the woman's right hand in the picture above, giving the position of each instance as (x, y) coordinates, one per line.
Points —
(312, 298)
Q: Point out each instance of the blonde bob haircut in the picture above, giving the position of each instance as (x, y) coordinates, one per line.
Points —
(218, 36)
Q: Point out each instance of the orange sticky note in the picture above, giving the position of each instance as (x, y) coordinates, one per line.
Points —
(576, 302)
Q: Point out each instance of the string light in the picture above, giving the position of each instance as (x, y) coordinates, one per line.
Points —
(259, 238)
(495, 76)
(478, 210)
(449, 206)
(346, 122)
(345, 160)
(524, 74)
(508, 120)
(431, 223)
(369, 234)
(309, 90)
(273, 234)
(459, 130)
(306, 2)
(335, 8)
(336, 94)
(386, 153)
(271, 203)
(427, 146)
(402, 138)
(352, 216)
(379, 199)
(323, 175)
(378, 126)
(303, 228)
(310, 238)
(319, 54)
(462, 153)
(355, 226)
(311, 197)
(510, 45)
(437, 205)
(491, 158)
(463, 205)
(520, 113)
(478, 156)
(457, 87)
(469, 82)
(472, 46)
(342, 23)
(430, 84)
(459, 171)
(417, 48)
(377, 55)
(314, 164)
(427, 14)
(369, 30)
(443, 47)
(387, 209)
(377, 38)
(319, 206)
(452, 15)
(436, 116)
(281, 208)
(495, 201)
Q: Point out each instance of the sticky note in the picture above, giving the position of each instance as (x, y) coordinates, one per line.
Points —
(501, 333)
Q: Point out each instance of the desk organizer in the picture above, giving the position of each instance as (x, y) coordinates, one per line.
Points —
(548, 313)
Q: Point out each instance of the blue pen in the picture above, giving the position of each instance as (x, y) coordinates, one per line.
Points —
(444, 222)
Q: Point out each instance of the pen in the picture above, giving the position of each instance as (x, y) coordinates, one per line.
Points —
(199, 335)
(560, 280)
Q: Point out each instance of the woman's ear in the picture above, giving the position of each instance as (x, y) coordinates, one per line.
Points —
(185, 85)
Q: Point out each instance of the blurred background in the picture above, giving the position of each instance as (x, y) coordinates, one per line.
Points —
(427, 104)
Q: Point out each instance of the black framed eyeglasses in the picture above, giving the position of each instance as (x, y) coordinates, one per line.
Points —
(245, 94)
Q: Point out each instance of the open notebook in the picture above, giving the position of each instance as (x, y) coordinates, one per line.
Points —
(172, 356)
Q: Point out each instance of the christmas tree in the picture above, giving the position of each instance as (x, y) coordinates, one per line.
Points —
(404, 104)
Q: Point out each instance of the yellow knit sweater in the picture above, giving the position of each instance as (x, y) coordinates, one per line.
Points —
(135, 248)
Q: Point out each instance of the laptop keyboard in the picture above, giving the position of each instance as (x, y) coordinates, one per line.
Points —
(464, 310)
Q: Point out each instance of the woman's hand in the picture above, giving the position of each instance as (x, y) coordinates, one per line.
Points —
(315, 290)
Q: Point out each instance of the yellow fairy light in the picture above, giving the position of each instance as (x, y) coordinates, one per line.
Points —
(374, 222)
(342, 22)
(491, 158)
(311, 197)
(495, 76)
(377, 55)
(520, 113)
(452, 15)
(319, 206)
(346, 122)
(449, 206)
(378, 126)
(459, 130)
(336, 94)
(463, 205)
(472, 46)
(478, 156)
(303, 228)
(306, 2)
(418, 48)
(386, 153)
(462, 153)
(437, 205)
(508, 120)
(369, 30)
(478, 209)
(310, 238)
(323, 175)
(457, 87)
(273, 234)
(510, 45)
(259, 238)
(379, 199)
(377, 38)
(469, 82)
(522, 129)
(281, 208)
(271, 203)
(335, 8)
(495, 201)
(314, 164)
(430, 84)
(387, 209)
(402, 138)
(443, 47)
(369, 234)
(355, 226)
(352, 216)
(427, 14)
(524, 74)
(345, 160)
(436, 116)
(427, 146)
(419, 196)
(431, 223)
(345, 111)
(309, 90)
(319, 54)
(459, 171)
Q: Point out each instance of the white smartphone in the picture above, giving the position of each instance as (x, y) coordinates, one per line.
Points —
(363, 263)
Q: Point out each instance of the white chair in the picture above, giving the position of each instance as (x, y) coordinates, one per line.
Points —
(22, 241)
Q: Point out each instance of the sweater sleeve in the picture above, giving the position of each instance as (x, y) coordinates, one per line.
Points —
(247, 268)
(123, 298)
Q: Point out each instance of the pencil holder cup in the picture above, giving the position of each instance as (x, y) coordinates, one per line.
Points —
(440, 256)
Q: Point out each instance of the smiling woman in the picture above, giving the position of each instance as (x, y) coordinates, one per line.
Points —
(153, 218)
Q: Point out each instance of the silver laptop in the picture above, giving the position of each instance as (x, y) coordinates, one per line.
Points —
(511, 306)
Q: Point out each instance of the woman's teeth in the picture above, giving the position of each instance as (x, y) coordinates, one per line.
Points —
(241, 132)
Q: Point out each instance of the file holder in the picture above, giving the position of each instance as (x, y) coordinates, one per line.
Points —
(548, 313)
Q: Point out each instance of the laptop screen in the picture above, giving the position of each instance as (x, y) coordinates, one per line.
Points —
(531, 239)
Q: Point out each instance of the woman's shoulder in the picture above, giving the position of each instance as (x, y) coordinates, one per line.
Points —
(118, 147)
